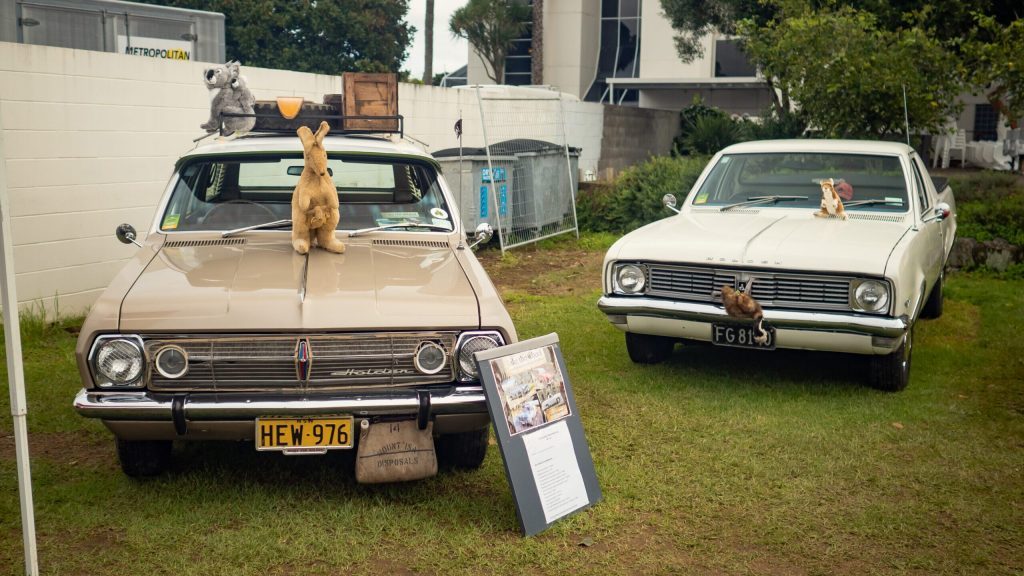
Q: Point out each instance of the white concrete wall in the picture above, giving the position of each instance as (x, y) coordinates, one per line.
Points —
(572, 35)
(90, 139)
(659, 58)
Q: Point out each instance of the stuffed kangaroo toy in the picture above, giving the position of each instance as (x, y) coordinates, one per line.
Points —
(315, 200)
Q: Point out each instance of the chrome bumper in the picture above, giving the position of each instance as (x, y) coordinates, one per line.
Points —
(618, 307)
(205, 407)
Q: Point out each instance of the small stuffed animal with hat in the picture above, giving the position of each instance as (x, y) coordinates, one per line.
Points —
(831, 203)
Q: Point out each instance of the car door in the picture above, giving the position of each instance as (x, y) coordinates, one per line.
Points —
(930, 246)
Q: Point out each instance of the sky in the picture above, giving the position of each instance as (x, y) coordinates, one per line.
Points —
(450, 54)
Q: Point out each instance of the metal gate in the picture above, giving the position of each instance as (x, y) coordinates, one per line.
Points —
(530, 179)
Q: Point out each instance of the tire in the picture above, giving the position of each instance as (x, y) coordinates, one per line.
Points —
(933, 307)
(142, 458)
(647, 349)
(465, 450)
(891, 372)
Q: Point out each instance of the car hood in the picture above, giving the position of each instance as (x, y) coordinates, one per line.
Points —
(788, 239)
(256, 285)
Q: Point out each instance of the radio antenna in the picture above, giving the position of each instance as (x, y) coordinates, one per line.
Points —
(906, 116)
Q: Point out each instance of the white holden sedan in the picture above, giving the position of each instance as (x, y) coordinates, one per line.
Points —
(849, 276)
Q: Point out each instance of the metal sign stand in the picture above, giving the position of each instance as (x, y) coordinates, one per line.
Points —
(16, 374)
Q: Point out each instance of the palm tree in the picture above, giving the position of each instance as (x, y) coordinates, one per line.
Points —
(428, 42)
(491, 26)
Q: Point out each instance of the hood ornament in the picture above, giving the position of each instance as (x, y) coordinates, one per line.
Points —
(303, 360)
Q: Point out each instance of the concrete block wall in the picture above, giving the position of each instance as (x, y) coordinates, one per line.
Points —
(632, 135)
(89, 140)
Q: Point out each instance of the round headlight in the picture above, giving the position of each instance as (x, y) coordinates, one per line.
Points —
(471, 346)
(429, 358)
(630, 279)
(172, 362)
(119, 361)
(872, 296)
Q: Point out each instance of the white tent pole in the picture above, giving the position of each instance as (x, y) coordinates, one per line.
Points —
(16, 372)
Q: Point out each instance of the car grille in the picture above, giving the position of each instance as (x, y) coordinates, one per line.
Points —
(769, 289)
(271, 363)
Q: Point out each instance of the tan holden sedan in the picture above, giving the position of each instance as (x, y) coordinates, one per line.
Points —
(218, 329)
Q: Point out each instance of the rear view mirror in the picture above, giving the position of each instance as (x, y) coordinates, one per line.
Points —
(126, 234)
(939, 213)
(483, 235)
(297, 171)
(669, 201)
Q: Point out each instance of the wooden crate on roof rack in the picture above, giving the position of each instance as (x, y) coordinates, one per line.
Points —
(367, 94)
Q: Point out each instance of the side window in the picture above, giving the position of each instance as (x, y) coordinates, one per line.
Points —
(922, 194)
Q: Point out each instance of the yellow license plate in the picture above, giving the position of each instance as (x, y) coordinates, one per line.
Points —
(292, 433)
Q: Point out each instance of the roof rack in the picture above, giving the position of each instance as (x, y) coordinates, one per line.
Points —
(275, 123)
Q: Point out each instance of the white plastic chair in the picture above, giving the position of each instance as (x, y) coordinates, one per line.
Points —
(940, 143)
(957, 141)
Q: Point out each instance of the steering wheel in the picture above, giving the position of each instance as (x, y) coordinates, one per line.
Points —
(219, 211)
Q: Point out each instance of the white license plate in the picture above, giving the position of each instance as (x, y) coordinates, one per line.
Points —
(740, 336)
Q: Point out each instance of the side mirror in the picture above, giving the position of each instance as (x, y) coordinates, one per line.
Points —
(669, 200)
(126, 234)
(483, 234)
(939, 213)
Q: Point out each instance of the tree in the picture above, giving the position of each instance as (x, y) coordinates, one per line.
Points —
(946, 21)
(321, 36)
(694, 19)
(490, 26)
(832, 63)
(428, 44)
(931, 34)
(996, 61)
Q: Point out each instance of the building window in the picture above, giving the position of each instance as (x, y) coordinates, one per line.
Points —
(985, 121)
(519, 62)
(731, 61)
(619, 52)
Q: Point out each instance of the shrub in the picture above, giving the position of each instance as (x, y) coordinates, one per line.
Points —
(990, 205)
(688, 118)
(712, 133)
(634, 199)
(774, 125)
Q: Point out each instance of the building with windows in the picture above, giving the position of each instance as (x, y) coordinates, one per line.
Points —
(623, 52)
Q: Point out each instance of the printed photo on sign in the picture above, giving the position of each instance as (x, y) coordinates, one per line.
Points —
(531, 387)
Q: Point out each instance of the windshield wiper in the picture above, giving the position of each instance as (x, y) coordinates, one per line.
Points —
(264, 226)
(752, 200)
(405, 224)
(895, 202)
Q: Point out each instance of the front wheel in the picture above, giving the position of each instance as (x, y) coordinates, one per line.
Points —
(891, 372)
(647, 349)
(464, 450)
(141, 458)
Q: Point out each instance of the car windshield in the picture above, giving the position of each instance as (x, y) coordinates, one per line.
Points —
(227, 193)
(865, 182)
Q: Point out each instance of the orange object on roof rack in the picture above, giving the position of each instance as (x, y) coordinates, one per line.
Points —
(289, 106)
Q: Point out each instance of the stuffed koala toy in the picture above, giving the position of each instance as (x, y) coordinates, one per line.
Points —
(315, 200)
(228, 93)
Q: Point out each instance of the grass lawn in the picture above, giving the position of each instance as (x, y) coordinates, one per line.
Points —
(718, 461)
